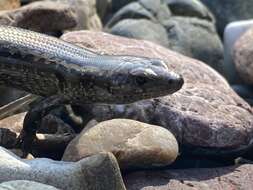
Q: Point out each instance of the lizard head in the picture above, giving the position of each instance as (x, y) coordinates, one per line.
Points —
(133, 79)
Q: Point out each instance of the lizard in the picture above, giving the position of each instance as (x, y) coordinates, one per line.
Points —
(68, 74)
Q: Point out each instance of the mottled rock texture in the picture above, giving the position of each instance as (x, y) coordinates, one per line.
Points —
(98, 172)
(25, 185)
(134, 144)
(243, 56)
(141, 29)
(196, 38)
(87, 17)
(205, 113)
(9, 4)
(228, 178)
(189, 8)
(41, 16)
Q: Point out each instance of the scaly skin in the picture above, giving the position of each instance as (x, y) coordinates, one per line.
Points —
(64, 73)
(47, 66)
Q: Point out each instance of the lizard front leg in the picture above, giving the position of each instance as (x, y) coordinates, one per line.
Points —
(33, 119)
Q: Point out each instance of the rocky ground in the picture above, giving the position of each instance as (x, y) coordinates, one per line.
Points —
(200, 137)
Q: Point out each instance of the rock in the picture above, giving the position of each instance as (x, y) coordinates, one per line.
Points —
(19, 153)
(13, 123)
(205, 113)
(50, 124)
(141, 29)
(243, 56)
(25, 185)
(99, 172)
(227, 11)
(232, 32)
(102, 7)
(144, 9)
(131, 11)
(195, 38)
(18, 106)
(158, 8)
(117, 4)
(41, 17)
(87, 17)
(234, 177)
(178, 34)
(9, 4)
(134, 144)
(190, 8)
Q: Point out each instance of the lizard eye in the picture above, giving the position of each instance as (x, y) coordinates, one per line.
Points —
(140, 80)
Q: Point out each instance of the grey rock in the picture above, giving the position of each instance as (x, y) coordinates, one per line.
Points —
(227, 178)
(117, 4)
(227, 11)
(25, 185)
(134, 144)
(131, 11)
(190, 8)
(195, 38)
(159, 9)
(243, 56)
(141, 29)
(148, 9)
(206, 113)
(99, 172)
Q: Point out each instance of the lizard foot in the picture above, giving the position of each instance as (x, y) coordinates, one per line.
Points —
(25, 141)
(32, 122)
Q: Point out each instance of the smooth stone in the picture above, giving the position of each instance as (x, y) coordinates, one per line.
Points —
(13, 123)
(196, 38)
(141, 29)
(225, 178)
(205, 113)
(155, 11)
(98, 172)
(243, 56)
(86, 13)
(232, 33)
(158, 8)
(87, 17)
(190, 8)
(134, 144)
(227, 11)
(132, 10)
(42, 16)
(9, 4)
(25, 185)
